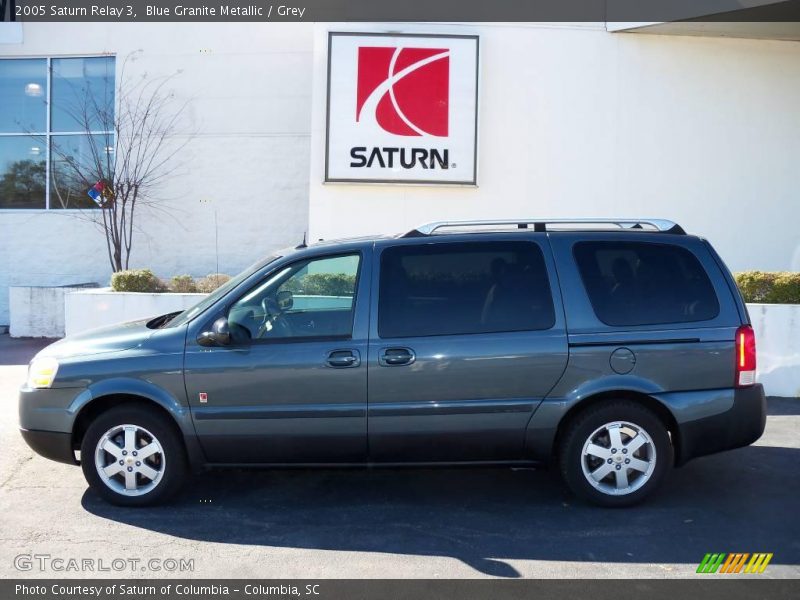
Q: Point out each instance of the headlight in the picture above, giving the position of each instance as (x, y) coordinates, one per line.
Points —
(42, 372)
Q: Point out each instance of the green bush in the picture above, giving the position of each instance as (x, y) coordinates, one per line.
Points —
(323, 284)
(182, 284)
(769, 287)
(136, 280)
(211, 282)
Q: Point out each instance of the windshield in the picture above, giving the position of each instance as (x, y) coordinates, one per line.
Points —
(190, 313)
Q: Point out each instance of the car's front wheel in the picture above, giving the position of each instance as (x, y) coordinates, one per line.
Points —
(615, 453)
(131, 456)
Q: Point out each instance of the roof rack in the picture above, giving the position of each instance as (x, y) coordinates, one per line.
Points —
(540, 225)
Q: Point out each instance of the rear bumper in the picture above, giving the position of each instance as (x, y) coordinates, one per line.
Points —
(55, 445)
(740, 426)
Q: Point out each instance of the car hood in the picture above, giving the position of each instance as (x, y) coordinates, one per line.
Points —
(113, 338)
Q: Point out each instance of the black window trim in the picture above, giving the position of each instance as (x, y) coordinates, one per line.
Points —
(439, 243)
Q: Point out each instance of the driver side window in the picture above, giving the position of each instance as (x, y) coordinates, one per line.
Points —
(309, 298)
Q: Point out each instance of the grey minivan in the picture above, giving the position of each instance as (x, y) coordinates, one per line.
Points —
(614, 349)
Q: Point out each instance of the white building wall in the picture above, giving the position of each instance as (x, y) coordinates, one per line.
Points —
(777, 329)
(576, 121)
(250, 86)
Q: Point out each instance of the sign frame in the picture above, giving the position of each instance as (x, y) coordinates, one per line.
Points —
(473, 181)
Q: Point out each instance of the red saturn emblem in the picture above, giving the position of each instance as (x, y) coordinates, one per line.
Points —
(404, 91)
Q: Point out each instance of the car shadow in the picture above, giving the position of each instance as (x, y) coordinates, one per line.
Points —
(740, 501)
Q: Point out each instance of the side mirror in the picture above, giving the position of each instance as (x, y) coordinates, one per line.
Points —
(285, 300)
(220, 334)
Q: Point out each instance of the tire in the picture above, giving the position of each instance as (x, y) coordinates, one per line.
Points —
(142, 455)
(600, 445)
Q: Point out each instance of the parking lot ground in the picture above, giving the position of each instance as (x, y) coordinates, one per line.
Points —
(401, 523)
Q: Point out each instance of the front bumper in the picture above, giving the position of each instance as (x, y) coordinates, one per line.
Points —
(46, 420)
(740, 426)
(55, 445)
(50, 409)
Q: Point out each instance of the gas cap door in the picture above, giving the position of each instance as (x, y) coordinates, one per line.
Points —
(622, 361)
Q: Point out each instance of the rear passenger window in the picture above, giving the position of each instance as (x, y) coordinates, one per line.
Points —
(462, 288)
(640, 283)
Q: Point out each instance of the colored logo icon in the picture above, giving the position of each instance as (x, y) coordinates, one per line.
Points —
(723, 563)
(405, 91)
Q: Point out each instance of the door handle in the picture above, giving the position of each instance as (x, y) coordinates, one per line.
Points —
(343, 358)
(396, 357)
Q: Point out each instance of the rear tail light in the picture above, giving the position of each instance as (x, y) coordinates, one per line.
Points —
(745, 356)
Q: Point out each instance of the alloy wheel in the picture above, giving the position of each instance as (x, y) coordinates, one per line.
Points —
(618, 458)
(130, 460)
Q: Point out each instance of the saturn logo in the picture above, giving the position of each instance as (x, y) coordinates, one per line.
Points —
(404, 91)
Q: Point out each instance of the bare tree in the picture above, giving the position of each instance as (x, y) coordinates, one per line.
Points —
(130, 148)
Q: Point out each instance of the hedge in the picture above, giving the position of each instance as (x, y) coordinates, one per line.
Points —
(323, 284)
(756, 286)
(136, 280)
(211, 282)
(144, 280)
(182, 284)
(769, 287)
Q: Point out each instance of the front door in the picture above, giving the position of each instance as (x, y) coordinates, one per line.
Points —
(292, 386)
(466, 340)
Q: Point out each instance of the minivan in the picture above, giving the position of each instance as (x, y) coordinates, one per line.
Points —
(613, 350)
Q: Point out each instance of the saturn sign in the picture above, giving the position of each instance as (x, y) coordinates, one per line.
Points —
(402, 108)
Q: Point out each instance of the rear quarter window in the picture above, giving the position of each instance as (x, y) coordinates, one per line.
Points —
(644, 283)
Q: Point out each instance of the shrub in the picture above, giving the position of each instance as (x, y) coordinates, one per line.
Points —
(183, 284)
(769, 287)
(136, 280)
(211, 282)
(323, 284)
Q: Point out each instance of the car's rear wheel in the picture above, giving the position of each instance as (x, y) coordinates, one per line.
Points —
(615, 453)
(132, 456)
